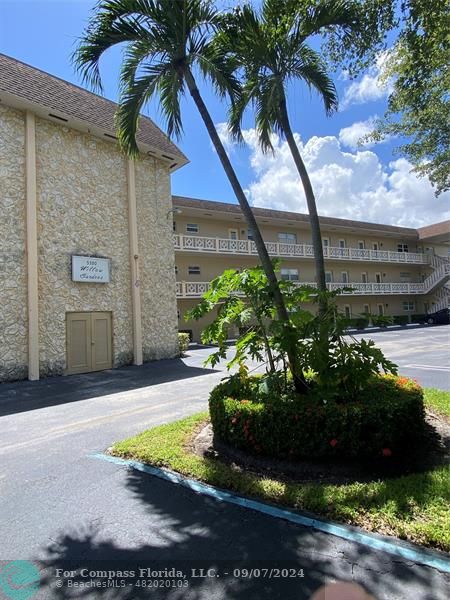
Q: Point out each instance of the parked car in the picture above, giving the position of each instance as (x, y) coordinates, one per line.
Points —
(440, 317)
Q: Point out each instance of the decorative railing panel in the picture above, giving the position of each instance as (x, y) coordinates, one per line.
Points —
(187, 289)
(189, 243)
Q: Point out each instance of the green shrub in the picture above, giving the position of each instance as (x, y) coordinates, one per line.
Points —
(382, 320)
(387, 418)
(183, 342)
(401, 320)
(418, 318)
(360, 322)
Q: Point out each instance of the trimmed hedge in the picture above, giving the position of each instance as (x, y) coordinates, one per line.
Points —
(385, 421)
(401, 320)
(183, 342)
(359, 322)
(419, 318)
(382, 320)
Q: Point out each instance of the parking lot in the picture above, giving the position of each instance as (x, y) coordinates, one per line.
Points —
(422, 353)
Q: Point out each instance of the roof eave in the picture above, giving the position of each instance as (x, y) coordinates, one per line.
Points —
(57, 117)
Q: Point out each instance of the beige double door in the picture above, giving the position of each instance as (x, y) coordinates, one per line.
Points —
(89, 341)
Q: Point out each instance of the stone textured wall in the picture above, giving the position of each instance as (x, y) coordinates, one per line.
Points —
(82, 209)
(157, 260)
(13, 290)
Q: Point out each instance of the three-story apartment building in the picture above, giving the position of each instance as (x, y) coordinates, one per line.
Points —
(391, 270)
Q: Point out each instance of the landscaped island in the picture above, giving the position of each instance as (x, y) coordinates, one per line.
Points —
(415, 507)
(339, 433)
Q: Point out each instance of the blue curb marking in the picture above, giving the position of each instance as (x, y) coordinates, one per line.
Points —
(424, 557)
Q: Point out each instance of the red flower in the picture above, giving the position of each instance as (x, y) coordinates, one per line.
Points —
(333, 442)
(387, 452)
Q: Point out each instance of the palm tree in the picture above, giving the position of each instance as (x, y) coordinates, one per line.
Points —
(165, 42)
(270, 48)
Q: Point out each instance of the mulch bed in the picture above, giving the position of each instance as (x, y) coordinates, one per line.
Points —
(434, 450)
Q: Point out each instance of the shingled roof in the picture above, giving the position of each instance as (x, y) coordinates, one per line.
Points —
(261, 213)
(35, 87)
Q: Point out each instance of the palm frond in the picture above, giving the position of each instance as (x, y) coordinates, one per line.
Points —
(136, 90)
(309, 67)
(112, 22)
(170, 88)
(267, 109)
(326, 14)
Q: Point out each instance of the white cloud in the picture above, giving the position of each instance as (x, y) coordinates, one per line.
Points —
(370, 87)
(225, 138)
(352, 185)
(352, 136)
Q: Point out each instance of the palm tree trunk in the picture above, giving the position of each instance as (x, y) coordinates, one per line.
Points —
(251, 222)
(310, 199)
(316, 239)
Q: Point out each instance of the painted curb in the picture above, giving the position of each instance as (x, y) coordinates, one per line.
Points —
(391, 546)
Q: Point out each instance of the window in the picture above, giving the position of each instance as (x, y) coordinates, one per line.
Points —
(380, 308)
(361, 244)
(325, 242)
(329, 276)
(193, 270)
(341, 243)
(178, 314)
(378, 277)
(233, 234)
(402, 247)
(176, 270)
(375, 246)
(364, 278)
(250, 234)
(174, 226)
(366, 309)
(408, 305)
(287, 238)
(348, 311)
(192, 228)
(344, 276)
(289, 274)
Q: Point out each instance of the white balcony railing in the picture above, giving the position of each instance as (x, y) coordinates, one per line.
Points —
(193, 243)
(195, 289)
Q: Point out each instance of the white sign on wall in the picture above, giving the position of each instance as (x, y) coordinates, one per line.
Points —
(90, 269)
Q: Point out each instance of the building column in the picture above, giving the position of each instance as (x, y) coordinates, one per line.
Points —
(32, 246)
(134, 263)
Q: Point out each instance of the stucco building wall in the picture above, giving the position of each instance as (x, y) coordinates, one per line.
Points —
(157, 260)
(13, 285)
(82, 209)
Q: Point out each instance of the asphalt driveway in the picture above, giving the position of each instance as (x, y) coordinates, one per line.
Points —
(60, 505)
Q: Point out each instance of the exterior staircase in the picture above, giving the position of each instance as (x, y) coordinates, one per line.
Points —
(443, 300)
(439, 281)
(440, 276)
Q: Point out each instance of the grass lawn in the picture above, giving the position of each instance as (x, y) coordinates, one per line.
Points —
(438, 402)
(413, 507)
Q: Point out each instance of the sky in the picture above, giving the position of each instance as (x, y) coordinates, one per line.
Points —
(369, 182)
